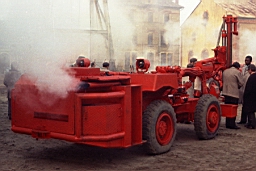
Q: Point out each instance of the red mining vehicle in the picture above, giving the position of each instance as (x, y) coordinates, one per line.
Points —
(126, 109)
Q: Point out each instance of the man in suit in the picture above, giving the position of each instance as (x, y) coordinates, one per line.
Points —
(232, 81)
(249, 99)
(246, 75)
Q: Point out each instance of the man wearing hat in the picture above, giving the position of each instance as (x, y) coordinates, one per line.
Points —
(105, 68)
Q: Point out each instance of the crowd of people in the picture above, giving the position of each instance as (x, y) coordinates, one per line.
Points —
(249, 100)
(238, 87)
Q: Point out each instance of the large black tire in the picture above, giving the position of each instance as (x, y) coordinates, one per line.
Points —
(159, 127)
(207, 117)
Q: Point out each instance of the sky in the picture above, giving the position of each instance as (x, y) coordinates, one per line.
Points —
(189, 6)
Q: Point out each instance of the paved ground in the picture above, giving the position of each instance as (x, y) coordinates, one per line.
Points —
(231, 150)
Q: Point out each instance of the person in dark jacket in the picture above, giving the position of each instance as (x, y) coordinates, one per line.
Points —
(246, 75)
(10, 78)
(93, 65)
(249, 98)
(105, 68)
(232, 81)
(192, 63)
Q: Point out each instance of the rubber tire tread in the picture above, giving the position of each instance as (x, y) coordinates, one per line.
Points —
(212, 80)
(200, 117)
(150, 116)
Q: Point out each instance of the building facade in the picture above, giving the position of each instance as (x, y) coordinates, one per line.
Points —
(200, 31)
(157, 33)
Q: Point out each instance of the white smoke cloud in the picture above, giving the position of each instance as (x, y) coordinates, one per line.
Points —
(44, 36)
(40, 44)
(170, 29)
(122, 29)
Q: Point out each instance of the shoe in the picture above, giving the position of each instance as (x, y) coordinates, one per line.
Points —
(233, 127)
(250, 127)
(241, 122)
(187, 122)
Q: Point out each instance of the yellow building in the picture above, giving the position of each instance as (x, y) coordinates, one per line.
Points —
(200, 32)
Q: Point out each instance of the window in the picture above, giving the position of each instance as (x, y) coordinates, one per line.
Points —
(166, 17)
(150, 17)
(166, 59)
(150, 39)
(162, 40)
(163, 59)
(205, 18)
(169, 59)
(206, 15)
(150, 57)
(204, 54)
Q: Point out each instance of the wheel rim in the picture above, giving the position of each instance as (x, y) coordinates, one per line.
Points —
(164, 129)
(213, 118)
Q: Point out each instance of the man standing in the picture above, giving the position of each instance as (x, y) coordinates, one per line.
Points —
(191, 64)
(248, 60)
(10, 79)
(249, 100)
(232, 81)
(246, 75)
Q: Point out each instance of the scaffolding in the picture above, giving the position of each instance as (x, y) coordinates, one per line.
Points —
(100, 24)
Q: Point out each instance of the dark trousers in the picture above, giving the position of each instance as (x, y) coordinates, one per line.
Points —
(243, 116)
(231, 122)
(9, 109)
(251, 119)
